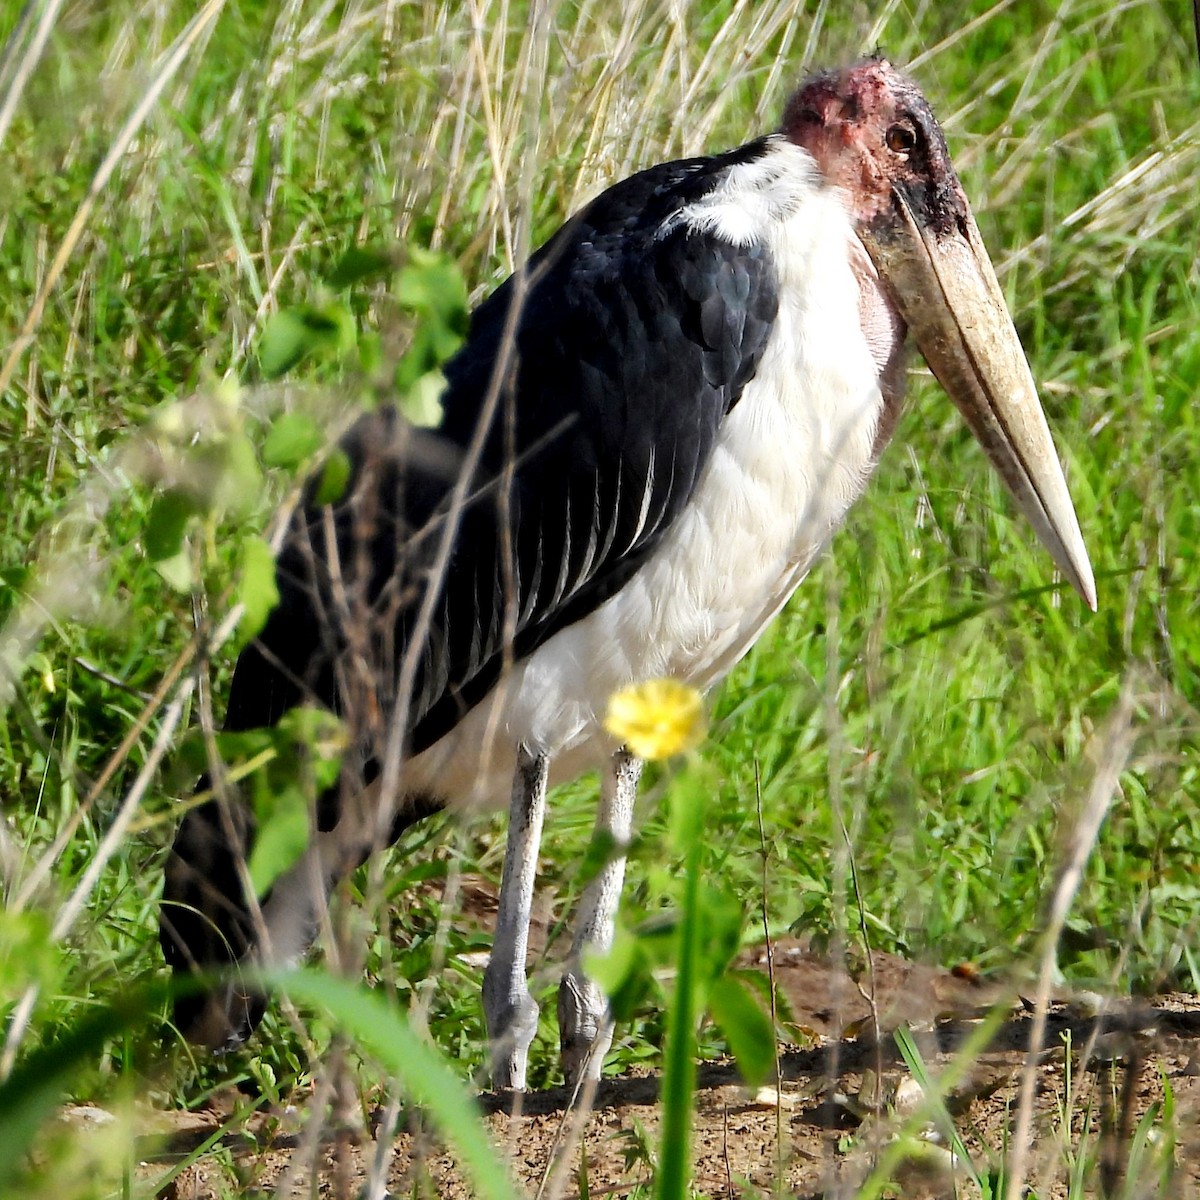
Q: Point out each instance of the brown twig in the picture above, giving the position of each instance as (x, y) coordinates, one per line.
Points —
(1116, 741)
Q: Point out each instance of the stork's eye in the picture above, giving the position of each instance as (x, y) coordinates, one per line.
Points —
(901, 139)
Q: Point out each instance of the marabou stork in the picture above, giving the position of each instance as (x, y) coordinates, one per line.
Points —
(648, 436)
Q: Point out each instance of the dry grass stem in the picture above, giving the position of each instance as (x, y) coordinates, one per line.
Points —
(1115, 742)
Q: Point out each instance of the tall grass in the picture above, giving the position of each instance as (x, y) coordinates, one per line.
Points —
(174, 174)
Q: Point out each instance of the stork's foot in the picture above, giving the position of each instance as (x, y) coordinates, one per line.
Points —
(222, 1019)
(585, 1028)
(512, 1020)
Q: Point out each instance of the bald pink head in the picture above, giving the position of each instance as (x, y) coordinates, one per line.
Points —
(871, 132)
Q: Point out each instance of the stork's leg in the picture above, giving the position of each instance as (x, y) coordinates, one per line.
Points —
(511, 1012)
(585, 1027)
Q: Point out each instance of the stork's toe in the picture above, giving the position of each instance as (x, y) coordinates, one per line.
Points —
(585, 1028)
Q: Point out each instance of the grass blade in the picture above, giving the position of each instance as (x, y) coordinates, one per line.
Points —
(381, 1030)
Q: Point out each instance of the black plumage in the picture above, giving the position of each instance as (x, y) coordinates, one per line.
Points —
(636, 336)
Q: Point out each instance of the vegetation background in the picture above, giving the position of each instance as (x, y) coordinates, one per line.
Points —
(919, 728)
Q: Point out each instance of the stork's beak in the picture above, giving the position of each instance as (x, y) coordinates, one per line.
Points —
(945, 288)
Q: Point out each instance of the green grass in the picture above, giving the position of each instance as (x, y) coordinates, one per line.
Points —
(920, 674)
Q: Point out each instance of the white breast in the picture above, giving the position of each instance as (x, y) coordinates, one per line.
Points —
(793, 455)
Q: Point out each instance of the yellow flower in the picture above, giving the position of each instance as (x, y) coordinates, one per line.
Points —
(657, 718)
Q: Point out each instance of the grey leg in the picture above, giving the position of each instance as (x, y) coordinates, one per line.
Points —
(509, 1009)
(585, 1028)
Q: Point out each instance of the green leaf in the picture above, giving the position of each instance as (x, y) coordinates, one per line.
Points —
(293, 437)
(282, 835)
(722, 919)
(176, 570)
(191, 757)
(656, 937)
(284, 343)
(357, 264)
(746, 1027)
(433, 288)
(334, 477)
(429, 349)
(421, 400)
(626, 972)
(688, 798)
(432, 285)
(613, 968)
(294, 334)
(370, 353)
(308, 744)
(315, 737)
(259, 592)
(167, 524)
(239, 484)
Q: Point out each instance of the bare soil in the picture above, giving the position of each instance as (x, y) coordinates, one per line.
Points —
(838, 1108)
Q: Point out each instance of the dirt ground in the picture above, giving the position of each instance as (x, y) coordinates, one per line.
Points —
(839, 1105)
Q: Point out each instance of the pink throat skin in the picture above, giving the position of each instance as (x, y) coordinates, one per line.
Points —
(886, 335)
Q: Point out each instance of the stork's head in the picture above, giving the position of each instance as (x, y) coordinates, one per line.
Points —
(873, 135)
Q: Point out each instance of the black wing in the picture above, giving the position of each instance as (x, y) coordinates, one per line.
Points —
(636, 337)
